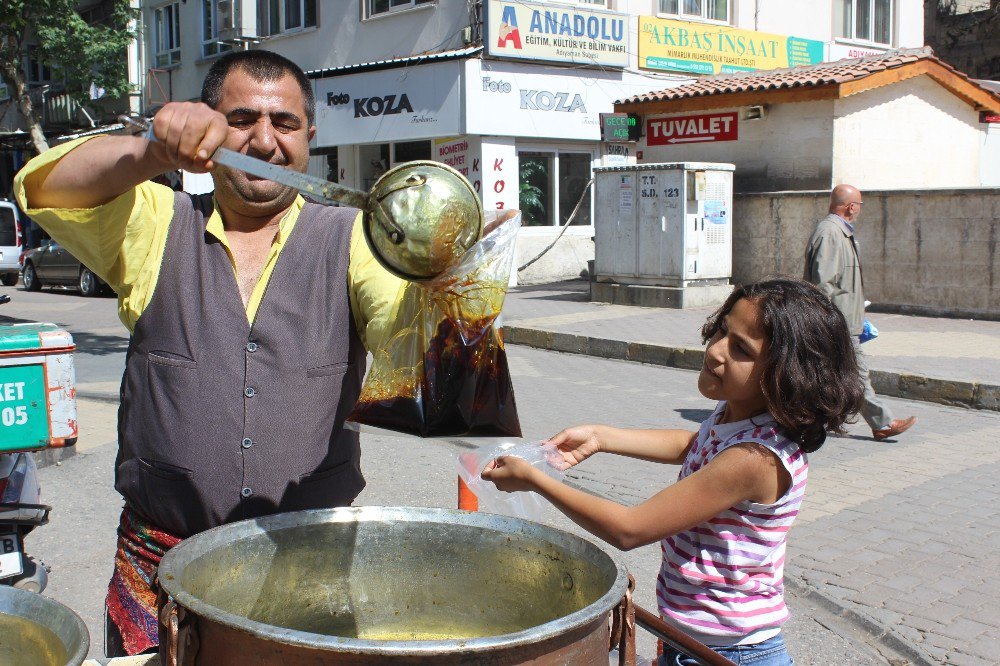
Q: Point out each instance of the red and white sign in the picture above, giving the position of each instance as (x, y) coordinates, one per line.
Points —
(692, 129)
(850, 51)
(989, 118)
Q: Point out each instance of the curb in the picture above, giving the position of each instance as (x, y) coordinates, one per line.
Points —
(882, 635)
(954, 393)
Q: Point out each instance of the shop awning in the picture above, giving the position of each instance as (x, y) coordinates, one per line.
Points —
(395, 62)
(829, 80)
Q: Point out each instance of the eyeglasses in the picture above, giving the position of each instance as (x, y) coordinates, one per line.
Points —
(860, 203)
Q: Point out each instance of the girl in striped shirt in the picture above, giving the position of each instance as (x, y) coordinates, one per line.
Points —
(780, 363)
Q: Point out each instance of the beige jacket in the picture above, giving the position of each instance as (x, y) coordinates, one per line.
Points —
(833, 265)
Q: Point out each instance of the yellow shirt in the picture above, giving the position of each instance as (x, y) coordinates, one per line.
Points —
(123, 243)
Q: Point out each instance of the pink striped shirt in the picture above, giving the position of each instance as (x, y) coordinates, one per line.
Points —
(721, 581)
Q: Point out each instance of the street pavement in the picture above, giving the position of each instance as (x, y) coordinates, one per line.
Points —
(889, 562)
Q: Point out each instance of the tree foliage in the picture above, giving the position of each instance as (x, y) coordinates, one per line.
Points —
(82, 55)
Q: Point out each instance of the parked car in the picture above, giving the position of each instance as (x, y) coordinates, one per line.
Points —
(10, 243)
(51, 264)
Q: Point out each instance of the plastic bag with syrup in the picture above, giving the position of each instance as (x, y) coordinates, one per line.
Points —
(443, 372)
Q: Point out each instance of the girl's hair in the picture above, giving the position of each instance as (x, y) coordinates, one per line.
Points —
(810, 374)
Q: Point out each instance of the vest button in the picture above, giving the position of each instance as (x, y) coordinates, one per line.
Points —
(247, 442)
(251, 347)
(249, 392)
(246, 492)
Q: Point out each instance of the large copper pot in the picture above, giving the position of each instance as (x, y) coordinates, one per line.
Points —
(376, 585)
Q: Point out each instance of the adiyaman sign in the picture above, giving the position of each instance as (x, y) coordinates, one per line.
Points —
(701, 48)
(557, 33)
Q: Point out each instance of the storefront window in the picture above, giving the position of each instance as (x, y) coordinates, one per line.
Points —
(373, 161)
(408, 151)
(535, 195)
(552, 183)
(327, 163)
(574, 176)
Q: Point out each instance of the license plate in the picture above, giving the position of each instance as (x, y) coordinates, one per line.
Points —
(10, 556)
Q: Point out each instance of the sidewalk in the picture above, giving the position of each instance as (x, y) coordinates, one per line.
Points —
(948, 361)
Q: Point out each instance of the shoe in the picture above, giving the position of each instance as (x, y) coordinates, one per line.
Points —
(897, 427)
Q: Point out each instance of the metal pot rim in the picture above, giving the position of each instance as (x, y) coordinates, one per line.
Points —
(180, 556)
(13, 600)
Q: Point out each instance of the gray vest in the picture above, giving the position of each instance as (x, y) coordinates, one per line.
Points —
(221, 420)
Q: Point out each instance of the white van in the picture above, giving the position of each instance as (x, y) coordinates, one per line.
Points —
(10, 243)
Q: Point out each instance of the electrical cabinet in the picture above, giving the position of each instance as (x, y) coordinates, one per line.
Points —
(664, 224)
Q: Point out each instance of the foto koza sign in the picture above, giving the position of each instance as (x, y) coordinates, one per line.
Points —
(520, 99)
(692, 129)
(389, 105)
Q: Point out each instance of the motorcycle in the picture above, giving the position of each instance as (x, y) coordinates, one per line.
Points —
(20, 513)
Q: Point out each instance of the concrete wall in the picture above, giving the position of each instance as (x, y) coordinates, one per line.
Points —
(791, 148)
(566, 260)
(910, 134)
(929, 251)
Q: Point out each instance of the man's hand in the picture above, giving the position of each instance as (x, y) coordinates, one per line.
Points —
(187, 135)
(510, 473)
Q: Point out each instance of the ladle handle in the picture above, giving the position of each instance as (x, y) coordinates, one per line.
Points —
(317, 188)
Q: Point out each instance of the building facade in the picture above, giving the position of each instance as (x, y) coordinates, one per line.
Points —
(508, 92)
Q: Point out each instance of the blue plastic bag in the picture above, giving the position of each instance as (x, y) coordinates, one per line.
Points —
(868, 332)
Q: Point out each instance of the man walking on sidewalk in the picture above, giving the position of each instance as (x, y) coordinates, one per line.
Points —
(834, 265)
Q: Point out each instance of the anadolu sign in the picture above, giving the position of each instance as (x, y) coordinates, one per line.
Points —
(714, 49)
(556, 33)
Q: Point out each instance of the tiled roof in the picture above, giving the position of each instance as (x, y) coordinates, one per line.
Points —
(805, 76)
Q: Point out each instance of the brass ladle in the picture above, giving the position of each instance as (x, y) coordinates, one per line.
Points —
(419, 218)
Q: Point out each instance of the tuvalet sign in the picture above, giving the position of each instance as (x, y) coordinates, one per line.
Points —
(700, 48)
(557, 33)
(692, 129)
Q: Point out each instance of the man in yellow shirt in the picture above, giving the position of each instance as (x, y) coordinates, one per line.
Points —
(249, 309)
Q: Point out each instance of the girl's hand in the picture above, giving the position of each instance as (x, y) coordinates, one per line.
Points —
(576, 445)
(510, 473)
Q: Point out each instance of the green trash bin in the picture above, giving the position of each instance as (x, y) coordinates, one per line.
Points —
(37, 388)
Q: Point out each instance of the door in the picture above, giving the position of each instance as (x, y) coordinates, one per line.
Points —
(56, 265)
(554, 184)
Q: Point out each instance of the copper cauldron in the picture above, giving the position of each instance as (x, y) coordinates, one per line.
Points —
(375, 585)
